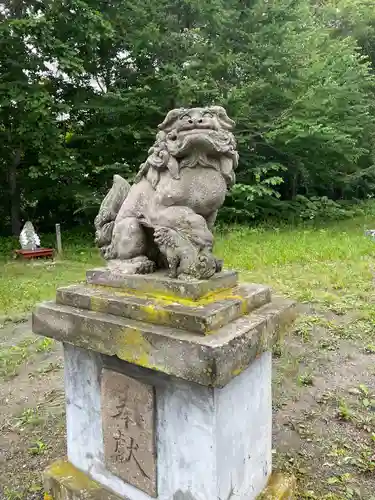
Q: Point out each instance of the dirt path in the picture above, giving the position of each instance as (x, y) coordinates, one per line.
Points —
(324, 409)
(32, 417)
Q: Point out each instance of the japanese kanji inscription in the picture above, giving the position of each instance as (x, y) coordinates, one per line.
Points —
(128, 430)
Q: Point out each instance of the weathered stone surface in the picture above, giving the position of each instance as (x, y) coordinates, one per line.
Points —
(202, 317)
(211, 360)
(109, 208)
(84, 437)
(205, 449)
(160, 283)
(280, 487)
(166, 217)
(62, 481)
(128, 413)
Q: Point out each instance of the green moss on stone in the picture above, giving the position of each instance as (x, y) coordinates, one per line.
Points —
(98, 304)
(134, 348)
(70, 477)
(280, 487)
(63, 481)
(165, 300)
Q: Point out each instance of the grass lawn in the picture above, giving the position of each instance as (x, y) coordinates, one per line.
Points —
(324, 378)
(328, 266)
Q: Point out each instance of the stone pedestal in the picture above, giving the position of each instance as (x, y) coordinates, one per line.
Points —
(168, 386)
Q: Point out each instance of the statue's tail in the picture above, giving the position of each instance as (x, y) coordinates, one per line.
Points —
(108, 211)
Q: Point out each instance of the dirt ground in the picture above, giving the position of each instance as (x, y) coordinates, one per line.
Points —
(32, 420)
(324, 409)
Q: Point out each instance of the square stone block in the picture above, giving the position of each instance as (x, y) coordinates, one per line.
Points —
(160, 283)
(210, 442)
(203, 317)
(167, 396)
(211, 360)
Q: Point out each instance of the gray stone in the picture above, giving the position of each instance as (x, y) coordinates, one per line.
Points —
(186, 259)
(216, 443)
(160, 283)
(166, 218)
(204, 318)
(128, 416)
(211, 442)
(211, 360)
(82, 371)
(109, 208)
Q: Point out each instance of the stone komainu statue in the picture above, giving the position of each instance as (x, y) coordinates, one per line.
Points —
(164, 220)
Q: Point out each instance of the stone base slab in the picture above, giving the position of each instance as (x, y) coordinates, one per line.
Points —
(280, 487)
(160, 283)
(63, 481)
(211, 360)
(204, 316)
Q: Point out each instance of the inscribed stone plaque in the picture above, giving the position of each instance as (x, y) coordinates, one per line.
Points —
(128, 429)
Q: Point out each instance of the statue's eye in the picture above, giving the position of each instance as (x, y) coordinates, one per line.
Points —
(207, 114)
(185, 117)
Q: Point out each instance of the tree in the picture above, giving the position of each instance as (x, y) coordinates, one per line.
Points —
(33, 64)
(302, 98)
(90, 80)
(354, 18)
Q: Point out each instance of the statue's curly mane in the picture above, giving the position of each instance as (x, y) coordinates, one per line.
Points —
(183, 142)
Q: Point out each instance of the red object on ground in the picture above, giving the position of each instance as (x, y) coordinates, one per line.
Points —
(35, 254)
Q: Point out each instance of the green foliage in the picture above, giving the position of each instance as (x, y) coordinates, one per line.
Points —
(85, 83)
(240, 208)
(320, 208)
(351, 18)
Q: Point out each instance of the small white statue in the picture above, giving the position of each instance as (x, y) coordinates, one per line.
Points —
(370, 233)
(29, 240)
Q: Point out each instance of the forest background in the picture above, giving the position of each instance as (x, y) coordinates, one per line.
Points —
(84, 83)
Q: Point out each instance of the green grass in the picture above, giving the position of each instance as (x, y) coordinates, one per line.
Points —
(23, 284)
(330, 266)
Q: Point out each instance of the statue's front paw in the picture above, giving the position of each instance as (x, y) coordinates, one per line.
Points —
(137, 265)
(146, 267)
(107, 252)
(172, 273)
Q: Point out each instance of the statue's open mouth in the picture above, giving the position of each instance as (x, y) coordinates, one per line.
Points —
(207, 141)
(196, 130)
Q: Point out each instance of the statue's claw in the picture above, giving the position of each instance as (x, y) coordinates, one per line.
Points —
(138, 265)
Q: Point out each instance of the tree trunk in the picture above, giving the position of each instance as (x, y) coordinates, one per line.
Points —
(15, 195)
(294, 186)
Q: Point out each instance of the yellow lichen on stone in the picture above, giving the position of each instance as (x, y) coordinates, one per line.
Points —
(98, 304)
(237, 371)
(155, 314)
(134, 348)
(62, 481)
(66, 474)
(244, 306)
(209, 331)
(166, 300)
(280, 487)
